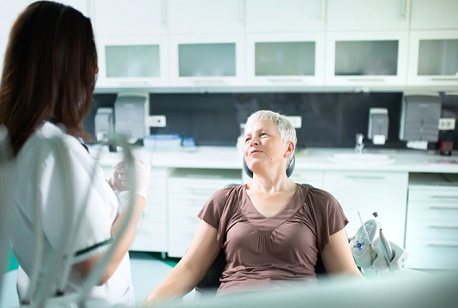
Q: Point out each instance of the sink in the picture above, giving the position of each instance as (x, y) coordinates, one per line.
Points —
(362, 158)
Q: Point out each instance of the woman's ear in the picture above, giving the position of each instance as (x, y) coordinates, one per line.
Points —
(290, 150)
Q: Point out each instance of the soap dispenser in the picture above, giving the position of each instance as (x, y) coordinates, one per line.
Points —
(377, 130)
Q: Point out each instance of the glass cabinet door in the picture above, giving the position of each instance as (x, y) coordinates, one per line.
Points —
(434, 58)
(359, 59)
(203, 61)
(132, 63)
(285, 59)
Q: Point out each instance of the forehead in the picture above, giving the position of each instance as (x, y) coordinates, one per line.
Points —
(261, 124)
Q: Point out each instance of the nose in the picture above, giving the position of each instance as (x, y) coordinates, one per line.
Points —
(254, 140)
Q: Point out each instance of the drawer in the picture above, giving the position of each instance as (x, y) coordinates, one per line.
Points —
(432, 230)
(433, 211)
(432, 254)
(438, 194)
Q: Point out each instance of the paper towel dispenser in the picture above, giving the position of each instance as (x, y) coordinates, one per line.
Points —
(420, 116)
(131, 113)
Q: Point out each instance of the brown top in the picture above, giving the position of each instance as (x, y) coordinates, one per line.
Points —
(261, 250)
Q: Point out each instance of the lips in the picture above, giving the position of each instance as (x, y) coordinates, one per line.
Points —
(254, 152)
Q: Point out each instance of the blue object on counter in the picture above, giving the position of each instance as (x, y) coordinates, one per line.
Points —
(160, 142)
(189, 144)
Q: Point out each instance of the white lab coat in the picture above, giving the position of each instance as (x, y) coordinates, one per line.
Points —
(45, 178)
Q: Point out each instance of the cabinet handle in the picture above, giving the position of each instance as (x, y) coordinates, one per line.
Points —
(443, 207)
(279, 80)
(444, 227)
(444, 78)
(164, 11)
(208, 82)
(406, 11)
(443, 245)
(242, 12)
(323, 10)
(367, 177)
(369, 79)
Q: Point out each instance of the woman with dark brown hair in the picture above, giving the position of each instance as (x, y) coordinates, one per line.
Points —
(48, 79)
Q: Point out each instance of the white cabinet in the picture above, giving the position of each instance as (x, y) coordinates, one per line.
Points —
(370, 15)
(432, 222)
(287, 16)
(433, 58)
(434, 15)
(285, 59)
(201, 60)
(314, 178)
(152, 229)
(366, 58)
(369, 192)
(205, 16)
(188, 190)
(139, 18)
(133, 62)
(131, 43)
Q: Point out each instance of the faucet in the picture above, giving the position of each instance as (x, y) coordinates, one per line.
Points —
(359, 143)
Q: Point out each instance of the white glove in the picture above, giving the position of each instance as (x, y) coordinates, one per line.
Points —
(120, 180)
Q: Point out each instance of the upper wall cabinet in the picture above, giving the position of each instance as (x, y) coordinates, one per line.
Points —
(133, 62)
(131, 43)
(141, 18)
(289, 59)
(365, 59)
(367, 15)
(433, 58)
(434, 15)
(273, 16)
(203, 61)
(205, 16)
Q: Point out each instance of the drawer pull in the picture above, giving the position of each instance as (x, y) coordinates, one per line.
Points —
(445, 197)
(359, 177)
(444, 227)
(443, 245)
(442, 207)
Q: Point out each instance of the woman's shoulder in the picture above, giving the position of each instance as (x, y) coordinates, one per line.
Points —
(228, 192)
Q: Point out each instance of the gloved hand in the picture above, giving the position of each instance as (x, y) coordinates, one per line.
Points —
(120, 179)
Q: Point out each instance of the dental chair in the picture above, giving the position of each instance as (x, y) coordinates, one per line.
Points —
(208, 286)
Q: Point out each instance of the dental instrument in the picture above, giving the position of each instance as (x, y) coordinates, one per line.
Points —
(388, 255)
(386, 247)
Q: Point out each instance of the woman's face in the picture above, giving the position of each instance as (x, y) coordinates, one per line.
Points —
(263, 145)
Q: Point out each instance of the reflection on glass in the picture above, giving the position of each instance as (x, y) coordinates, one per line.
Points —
(359, 58)
(132, 61)
(285, 58)
(207, 60)
(438, 57)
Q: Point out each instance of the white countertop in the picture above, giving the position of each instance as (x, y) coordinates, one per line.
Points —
(206, 157)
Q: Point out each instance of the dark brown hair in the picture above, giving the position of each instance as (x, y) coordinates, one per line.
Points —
(49, 71)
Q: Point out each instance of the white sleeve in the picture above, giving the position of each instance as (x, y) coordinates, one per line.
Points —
(67, 189)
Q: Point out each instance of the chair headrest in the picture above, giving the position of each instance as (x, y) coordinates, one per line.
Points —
(289, 169)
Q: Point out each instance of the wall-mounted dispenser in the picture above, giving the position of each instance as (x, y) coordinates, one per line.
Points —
(377, 130)
(131, 114)
(420, 118)
(104, 123)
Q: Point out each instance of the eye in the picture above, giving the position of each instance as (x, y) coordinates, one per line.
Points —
(247, 140)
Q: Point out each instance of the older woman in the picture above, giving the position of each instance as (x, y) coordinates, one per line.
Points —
(272, 229)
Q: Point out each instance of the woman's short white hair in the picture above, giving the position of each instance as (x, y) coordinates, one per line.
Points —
(285, 128)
